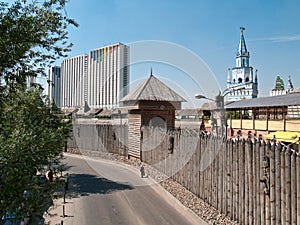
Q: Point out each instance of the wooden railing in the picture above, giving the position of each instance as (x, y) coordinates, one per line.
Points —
(263, 125)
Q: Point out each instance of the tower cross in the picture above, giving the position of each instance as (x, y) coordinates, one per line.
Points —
(242, 29)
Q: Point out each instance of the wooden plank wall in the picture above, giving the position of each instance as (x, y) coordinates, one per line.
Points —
(252, 181)
(105, 138)
(167, 115)
(134, 135)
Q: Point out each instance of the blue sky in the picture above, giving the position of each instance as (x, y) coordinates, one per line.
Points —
(208, 29)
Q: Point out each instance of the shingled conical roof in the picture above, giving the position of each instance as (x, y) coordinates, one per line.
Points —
(153, 89)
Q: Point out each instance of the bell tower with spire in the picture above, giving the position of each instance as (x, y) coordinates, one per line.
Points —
(242, 84)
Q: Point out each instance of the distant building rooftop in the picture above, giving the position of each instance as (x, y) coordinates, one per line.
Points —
(291, 99)
(188, 113)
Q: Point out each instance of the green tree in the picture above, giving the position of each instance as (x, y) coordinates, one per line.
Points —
(32, 138)
(33, 35)
(32, 134)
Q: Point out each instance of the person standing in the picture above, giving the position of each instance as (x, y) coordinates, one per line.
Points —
(142, 171)
(67, 182)
(50, 176)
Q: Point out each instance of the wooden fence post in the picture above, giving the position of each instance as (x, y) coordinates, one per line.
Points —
(215, 173)
(216, 147)
(283, 187)
(242, 182)
(224, 179)
(288, 185)
(220, 177)
(254, 181)
(201, 140)
(267, 174)
(272, 183)
(209, 173)
(195, 168)
(257, 144)
(293, 190)
(250, 182)
(262, 186)
(235, 180)
(229, 179)
(205, 171)
(278, 183)
(232, 179)
(201, 172)
(298, 184)
(247, 184)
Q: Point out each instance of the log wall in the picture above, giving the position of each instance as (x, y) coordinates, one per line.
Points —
(102, 138)
(252, 181)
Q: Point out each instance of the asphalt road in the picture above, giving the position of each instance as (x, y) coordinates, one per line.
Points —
(111, 193)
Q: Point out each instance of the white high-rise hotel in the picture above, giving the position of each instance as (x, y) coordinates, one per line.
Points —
(53, 84)
(99, 79)
(73, 80)
(108, 76)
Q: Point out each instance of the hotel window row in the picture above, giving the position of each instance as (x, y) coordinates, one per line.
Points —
(101, 78)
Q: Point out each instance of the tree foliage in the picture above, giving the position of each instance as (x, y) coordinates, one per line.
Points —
(32, 138)
(32, 134)
(33, 35)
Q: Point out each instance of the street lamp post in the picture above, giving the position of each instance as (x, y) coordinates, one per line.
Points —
(219, 100)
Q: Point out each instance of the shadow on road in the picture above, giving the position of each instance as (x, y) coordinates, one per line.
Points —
(85, 184)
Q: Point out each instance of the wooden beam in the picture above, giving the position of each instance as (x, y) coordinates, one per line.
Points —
(267, 119)
(253, 117)
(230, 119)
(284, 118)
(241, 120)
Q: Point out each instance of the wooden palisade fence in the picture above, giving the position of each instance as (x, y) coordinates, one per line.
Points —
(252, 181)
(99, 138)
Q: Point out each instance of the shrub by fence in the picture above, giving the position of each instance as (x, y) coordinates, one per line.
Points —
(252, 181)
